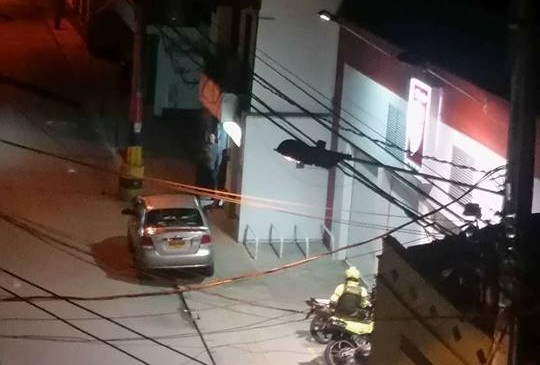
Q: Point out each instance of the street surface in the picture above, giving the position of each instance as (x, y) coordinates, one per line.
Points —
(62, 230)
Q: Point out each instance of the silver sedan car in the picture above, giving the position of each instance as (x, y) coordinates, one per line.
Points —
(169, 232)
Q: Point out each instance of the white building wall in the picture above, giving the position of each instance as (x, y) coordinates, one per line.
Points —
(292, 38)
(536, 198)
(276, 186)
(365, 105)
(484, 159)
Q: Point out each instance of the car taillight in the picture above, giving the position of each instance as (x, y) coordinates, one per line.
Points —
(206, 239)
(146, 242)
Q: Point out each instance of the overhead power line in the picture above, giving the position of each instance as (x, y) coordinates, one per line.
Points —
(256, 202)
(363, 181)
(404, 180)
(199, 332)
(106, 342)
(253, 275)
(266, 84)
(357, 175)
(108, 319)
(352, 129)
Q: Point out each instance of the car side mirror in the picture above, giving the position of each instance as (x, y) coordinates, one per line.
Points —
(128, 211)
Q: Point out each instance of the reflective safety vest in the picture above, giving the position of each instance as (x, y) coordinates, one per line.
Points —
(350, 300)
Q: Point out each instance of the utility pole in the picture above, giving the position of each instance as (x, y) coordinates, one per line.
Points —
(520, 171)
(132, 170)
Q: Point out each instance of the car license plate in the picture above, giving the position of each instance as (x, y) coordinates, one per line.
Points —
(176, 243)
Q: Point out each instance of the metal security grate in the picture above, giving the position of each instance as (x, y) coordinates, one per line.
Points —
(460, 157)
(395, 131)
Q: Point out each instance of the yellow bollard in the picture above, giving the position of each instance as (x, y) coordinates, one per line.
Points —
(131, 174)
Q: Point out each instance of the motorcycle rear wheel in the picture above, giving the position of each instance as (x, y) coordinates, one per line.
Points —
(340, 352)
(318, 331)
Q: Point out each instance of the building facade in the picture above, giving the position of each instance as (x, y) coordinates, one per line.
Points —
(383, 107)
(293, 84)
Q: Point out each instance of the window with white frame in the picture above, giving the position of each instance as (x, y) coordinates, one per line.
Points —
(460, 157)
(396, 131)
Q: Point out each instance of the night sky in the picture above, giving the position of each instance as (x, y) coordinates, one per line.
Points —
(467, 37)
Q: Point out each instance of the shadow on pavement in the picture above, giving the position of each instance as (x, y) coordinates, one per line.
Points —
(305, 334)
(37, 90)
(113, 256)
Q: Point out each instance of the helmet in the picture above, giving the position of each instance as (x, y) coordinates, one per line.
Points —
(352, 273)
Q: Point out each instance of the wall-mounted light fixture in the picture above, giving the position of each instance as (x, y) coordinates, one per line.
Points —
(234, 131)
(326, 15)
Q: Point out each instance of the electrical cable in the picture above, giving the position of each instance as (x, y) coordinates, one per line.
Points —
(411, 185)
(47, 238)
(297, 129)
(254, 53)
(74, 326)
(372, 186)
(266, 84)
(50, 239)
(247, 276)
(271, 88)
(179, 71)
(196, 326)
(358, 175)
(353, 128)
(72, 302)
(356, 131)
(194, 190)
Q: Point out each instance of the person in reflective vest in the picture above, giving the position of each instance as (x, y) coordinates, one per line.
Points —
(350, 296)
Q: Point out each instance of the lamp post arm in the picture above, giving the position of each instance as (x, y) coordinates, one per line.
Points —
(420, 174)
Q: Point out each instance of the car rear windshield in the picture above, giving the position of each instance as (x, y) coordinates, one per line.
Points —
(174, 217)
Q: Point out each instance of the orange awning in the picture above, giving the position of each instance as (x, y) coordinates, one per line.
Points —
(210, 95)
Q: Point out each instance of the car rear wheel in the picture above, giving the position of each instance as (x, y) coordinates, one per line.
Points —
(208, 270)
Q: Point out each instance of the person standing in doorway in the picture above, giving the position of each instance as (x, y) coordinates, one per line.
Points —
(212, 160)
(214, 157)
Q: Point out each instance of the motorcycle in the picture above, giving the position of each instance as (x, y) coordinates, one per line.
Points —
(350, 343)
(322, 312)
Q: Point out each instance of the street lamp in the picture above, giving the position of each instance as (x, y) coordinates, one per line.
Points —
(300, 152)
(326, 15)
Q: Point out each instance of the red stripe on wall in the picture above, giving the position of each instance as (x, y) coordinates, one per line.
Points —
(466, 108)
